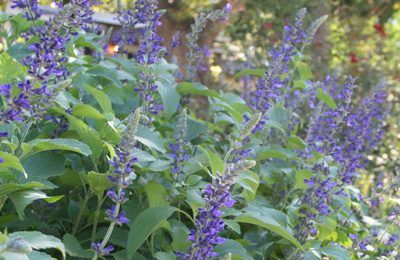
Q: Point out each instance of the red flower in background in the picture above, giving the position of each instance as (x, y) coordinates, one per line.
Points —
(379, 28)
(353, 57)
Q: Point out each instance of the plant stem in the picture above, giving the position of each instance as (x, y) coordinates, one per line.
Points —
(111, 226)
(23, 136)
(82, 209)
(3, 199)
(96, 218)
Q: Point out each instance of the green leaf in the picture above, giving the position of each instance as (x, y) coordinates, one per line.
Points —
(105, 73)
(296, 142)
(101, 98)
(145, 224)
(335, 252)
(82, 42)
(21, 199)
(300, 177)
(324, 97)
(53, 199)
(83, 110)
(150, 139)
(275, 152)
(232, 247)
(249, 181)
(156, 194)
(66, 144)
(217, 166)
(88, 135)
(11, 161)
(37, 255)
(10, 69)
(44, 165)
(20, 23)
(38, 240)
(8, 188)
(252, 72)
(268, 220)
(165, 256)
(169, 97)
(304, 70)
(235, 114)
(74, 248)
(196, 89)
(98, 182)
(299, 84)
(195, 128)
(19, 51)
(233, 225)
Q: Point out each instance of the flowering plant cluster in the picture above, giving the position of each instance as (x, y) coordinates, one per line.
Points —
(102, 157)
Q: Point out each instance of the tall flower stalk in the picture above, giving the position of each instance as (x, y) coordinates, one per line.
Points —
(197, 55)
(277, 75)
(150, 51)
(179, 149)
(209, 221)
(46, 64)
(217, 195)
(121, 176)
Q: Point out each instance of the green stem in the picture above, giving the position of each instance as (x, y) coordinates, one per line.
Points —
(228, 153)
(96, 218)
(112, 224)
(23, 136)
(3, 200)
(82, 209)
(3, 250)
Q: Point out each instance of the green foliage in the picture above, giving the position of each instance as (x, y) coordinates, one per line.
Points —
(55, 178)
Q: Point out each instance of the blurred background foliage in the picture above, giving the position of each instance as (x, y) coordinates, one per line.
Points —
(360, 37)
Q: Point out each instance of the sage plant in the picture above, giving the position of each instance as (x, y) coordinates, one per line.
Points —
(47, 62)
(209, 221)
(121, 176)
(278, 74)
(179, 149)
(217, 195)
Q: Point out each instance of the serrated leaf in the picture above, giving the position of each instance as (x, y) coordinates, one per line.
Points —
(335, 252)
(74, 248)
(98, 182)
(21, 199)
(252, 72)
(83, 110)
(11, 161)
(300, 177)
(39, 240)
(268, 221)
(8, 188)
(275, 152)
(296, 142)
(196, 89)
(88, 135)
(169, 97)
(66, 144)
(105, 73)
(156, 194)
(145, 224)
(217, 166)
(44, 165)
(150, 139)
(234, 248)
(101, 98)
(324, 97)
(10, 69)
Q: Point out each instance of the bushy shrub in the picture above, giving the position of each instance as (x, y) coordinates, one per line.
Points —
(103, 156)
